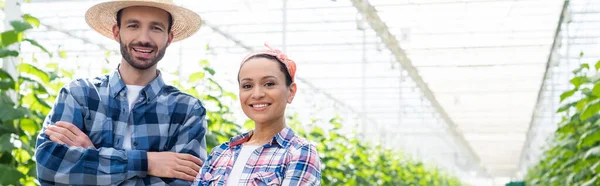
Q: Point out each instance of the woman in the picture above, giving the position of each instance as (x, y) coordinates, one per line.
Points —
(271, 154)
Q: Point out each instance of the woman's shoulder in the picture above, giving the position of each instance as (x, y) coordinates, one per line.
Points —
(299, 145)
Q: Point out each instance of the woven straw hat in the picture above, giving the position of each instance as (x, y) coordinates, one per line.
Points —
(102, 17)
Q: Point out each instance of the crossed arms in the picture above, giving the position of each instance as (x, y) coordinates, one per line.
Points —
(66, 155)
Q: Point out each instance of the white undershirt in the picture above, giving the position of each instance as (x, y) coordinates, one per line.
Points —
(133, 92)
(240, 163)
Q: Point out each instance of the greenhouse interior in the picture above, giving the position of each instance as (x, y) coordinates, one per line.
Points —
(391, 92)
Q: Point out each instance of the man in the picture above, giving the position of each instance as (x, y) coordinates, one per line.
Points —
(127, 128)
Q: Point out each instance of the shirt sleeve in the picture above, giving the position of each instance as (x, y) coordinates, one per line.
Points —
(191, 138)
(304, 167)
(61, 164)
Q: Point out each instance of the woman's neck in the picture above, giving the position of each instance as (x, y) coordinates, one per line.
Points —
(263, 132)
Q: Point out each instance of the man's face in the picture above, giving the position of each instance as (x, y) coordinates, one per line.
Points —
(143, 36)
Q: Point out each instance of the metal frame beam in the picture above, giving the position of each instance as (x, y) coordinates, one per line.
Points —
(85, 40)
(381, 29)
(538, 105)
(248, 48)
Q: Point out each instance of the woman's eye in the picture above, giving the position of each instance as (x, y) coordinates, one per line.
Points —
(269, 84)
(246, 86)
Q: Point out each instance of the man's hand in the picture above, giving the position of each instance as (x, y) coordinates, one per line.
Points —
(69, 134)
(173, 165)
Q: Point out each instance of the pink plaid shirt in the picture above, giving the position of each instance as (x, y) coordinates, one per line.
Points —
(286, 160)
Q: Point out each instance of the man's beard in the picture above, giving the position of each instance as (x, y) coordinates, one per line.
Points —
(141, 66)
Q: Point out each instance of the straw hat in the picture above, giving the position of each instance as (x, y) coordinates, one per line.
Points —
(102, 17)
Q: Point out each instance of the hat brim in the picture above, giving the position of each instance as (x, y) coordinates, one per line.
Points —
(102, 17)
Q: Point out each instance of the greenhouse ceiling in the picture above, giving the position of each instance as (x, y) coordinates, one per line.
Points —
(450, 81)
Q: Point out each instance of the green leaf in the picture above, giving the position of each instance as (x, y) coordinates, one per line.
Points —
(590, 138)
(10, 175)
(317, 132)
(597, 65)
(40, 105)
(587, 91)
(204, 63)
(9, 114)
(567, 106)
(581, 104)
(10, 37)
(582, 66)
(62, 54)
(32, 172)
(33, 70)
(28, 125)
(8, 53)
(6, 81)
(249, 124)
(210, 70)
(214, 83)
(596, 167)
(21, 155)
(20, 26)
(590, 182)
(196, 76)
(596, 90)
(53, 66)
(590, 111)
(5, 144)
(230, 94)
(67, 73)
(565, 129)
(336, 122)
(209, 98)
(593, 152)
(579, 80)
(567, 94)
(6, 101)
(31, 20)
(35, 43)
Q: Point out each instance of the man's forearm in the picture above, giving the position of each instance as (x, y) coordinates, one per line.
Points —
(58, 163)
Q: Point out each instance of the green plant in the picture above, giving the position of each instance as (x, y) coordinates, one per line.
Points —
(24, 102)
(349, 161)
(220, 119)
(573, 156)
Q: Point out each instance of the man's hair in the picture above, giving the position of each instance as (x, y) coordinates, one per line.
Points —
(120, 13)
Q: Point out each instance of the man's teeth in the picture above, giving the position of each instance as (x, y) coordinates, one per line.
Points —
(142, 51)
(260, 105)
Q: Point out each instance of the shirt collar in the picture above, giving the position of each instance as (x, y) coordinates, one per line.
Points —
(282, 138)
(151, 90)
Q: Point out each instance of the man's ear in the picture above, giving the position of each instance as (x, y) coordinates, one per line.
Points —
(115, 31)
(170, 38)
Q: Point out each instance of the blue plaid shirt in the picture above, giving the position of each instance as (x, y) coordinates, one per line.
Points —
(163, 119)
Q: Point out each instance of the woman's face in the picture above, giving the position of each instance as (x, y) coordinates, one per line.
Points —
(263, 92)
